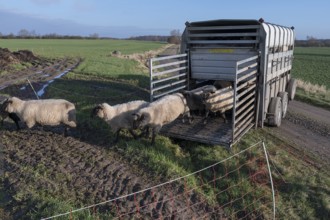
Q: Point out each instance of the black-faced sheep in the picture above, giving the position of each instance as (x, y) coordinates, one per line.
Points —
(195, 99)
(43, 112)
(12, 116)
(219, 101)
(220, 84)
(119, 116)
(160, 112)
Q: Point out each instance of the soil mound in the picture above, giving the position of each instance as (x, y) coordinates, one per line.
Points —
(7, 57)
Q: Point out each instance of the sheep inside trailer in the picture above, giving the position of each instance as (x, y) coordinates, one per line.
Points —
(253, 56)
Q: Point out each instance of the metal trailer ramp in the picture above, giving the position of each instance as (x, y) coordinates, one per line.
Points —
(215, 132)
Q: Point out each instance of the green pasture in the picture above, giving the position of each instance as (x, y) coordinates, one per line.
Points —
(302, 191)
(312, 65)
(97, 54)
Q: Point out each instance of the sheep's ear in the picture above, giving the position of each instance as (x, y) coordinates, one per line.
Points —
(96, 110)
(136, 116)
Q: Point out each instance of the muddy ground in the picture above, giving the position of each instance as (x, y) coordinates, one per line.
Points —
(87, 173)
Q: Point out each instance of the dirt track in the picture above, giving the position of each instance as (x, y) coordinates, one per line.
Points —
(307, 128)
(46, 162)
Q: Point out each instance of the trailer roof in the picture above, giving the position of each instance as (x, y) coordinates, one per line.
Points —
(222, 22)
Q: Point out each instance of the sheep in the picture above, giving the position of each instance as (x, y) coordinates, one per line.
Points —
(160, 112)
(220, 84)
(12, 116)
(219, 101)
(195, 100)
(43, 112)
(119, 116)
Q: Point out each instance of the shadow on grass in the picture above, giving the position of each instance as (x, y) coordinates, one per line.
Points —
(86, 94)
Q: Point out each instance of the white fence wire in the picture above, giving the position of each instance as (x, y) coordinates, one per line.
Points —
(239, 183)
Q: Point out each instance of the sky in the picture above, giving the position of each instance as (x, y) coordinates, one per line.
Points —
(128, 18)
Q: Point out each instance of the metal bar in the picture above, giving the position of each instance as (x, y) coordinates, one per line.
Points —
(237, 137)
(242, 128)
(223, 35)
(234, 104)
(165, 79)
(246, 91)
(246, 112)
(169, 71)
(220, 46)
(246, 83)
(271, 179)
(169, 85)
(150, 83)
(244, 100)
(247, 60)
(169, 64)
(222, 41)
(247, 104)
(169, 57)
(254, 72)
(223, 27)
(173, 90)
(247, 68)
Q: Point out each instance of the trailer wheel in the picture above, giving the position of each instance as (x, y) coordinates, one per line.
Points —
(284, 100)
(275, 112)
(291, 88)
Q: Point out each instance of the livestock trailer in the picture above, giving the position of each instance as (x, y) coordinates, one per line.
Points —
(254, 56)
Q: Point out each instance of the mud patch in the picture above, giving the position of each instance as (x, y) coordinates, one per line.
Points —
(43, 163)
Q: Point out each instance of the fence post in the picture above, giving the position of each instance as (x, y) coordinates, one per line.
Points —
(270, 177)
(151, 86)
(33, 89)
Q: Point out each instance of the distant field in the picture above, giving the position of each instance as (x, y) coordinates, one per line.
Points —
(96, 53)
(312, 65)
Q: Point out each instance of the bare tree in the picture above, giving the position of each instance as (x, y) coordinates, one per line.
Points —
(23, 33)
(175, 37)
(94, 36)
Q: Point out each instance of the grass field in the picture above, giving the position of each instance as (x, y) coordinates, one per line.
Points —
(312, 65)
(303, 192)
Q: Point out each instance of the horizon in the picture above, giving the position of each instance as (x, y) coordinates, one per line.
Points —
(127, 18)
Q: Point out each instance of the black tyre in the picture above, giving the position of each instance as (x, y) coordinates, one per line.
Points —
(275, 112)
(291, 88)
(284, 99)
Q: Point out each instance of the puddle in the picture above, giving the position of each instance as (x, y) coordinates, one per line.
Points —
(41, 92)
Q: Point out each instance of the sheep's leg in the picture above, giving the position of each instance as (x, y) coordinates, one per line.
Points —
(206, 116)
(224, 117)
(153, 136)
(117, 136)
(133, 133)
(15, 118)
(66, 129)
(154, 133)
(30, 124)
(146, 132)
(190, 117)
